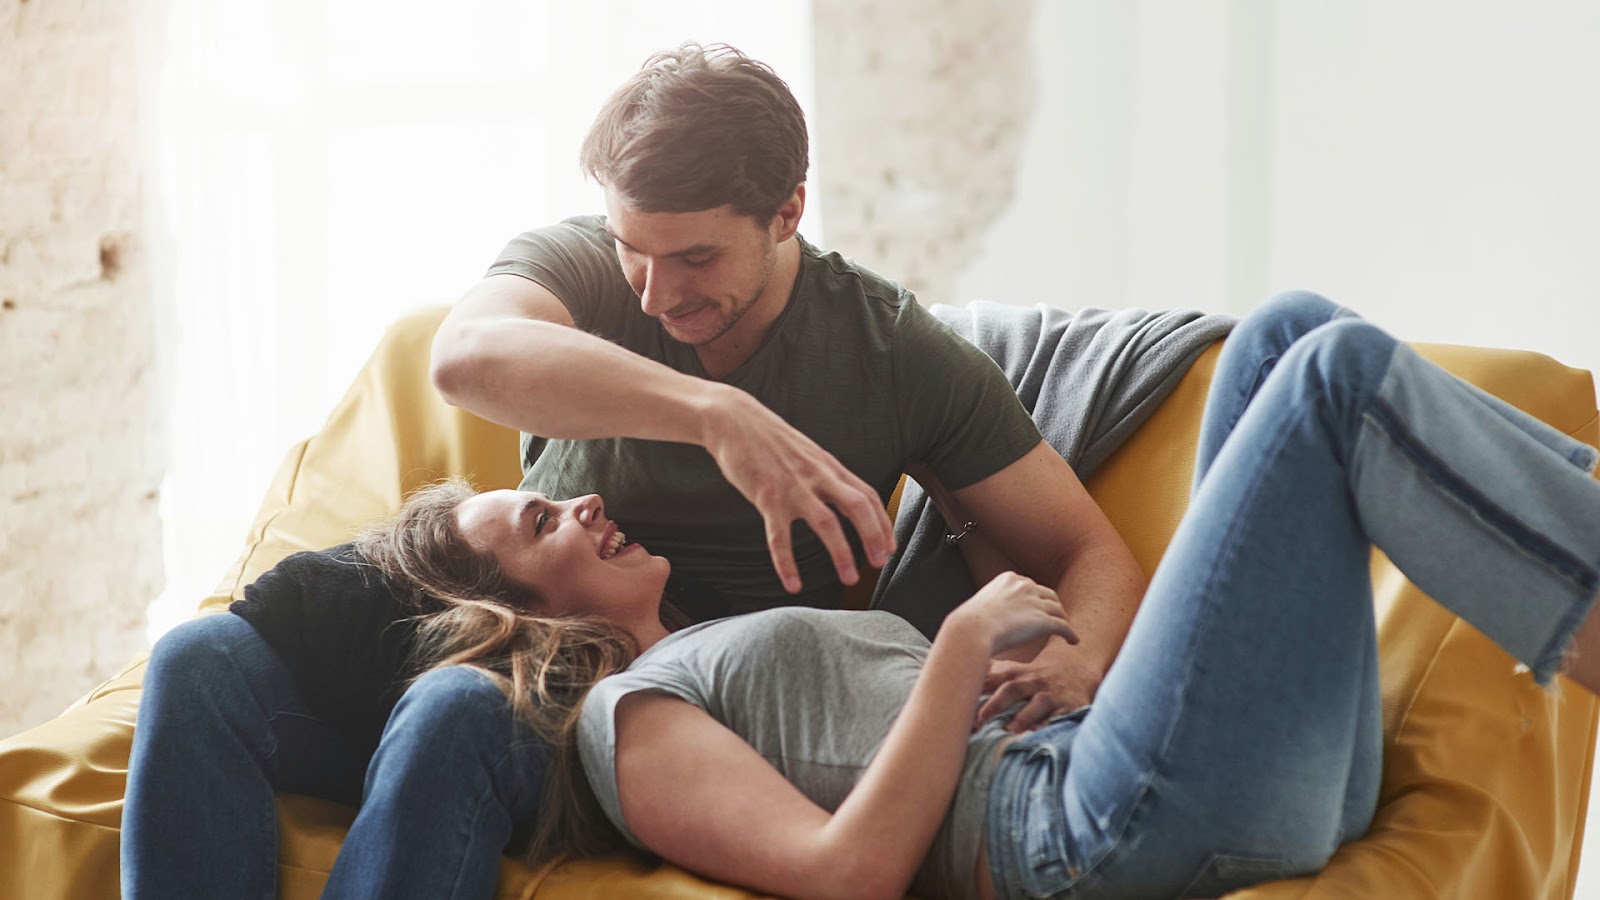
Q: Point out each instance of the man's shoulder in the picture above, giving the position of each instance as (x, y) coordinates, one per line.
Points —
(592, 223)
(580, 240)
(854, 306)
(586, 229)
(833, 275)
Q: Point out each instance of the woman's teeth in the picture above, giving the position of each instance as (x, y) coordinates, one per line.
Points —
(613, 545)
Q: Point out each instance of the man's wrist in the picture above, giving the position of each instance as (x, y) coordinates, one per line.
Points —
(711, 404)
(1072, 659)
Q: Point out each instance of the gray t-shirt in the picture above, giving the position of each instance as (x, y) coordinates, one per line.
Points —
(814, 692)
(853, 362)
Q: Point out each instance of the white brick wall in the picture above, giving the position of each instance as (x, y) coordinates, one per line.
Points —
(80, 425)
(921, 111)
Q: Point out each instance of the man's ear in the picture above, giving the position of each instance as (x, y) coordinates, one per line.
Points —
(786, 221)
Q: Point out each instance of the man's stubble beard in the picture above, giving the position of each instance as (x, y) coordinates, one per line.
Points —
(769, 264)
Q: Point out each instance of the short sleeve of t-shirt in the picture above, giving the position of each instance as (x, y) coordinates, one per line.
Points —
(958, 413)
(576, 261)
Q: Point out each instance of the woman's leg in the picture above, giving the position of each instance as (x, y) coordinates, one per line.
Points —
(1235, 739)
(1249, 355)
(1268, 331)
(455, 773)
(222, 726)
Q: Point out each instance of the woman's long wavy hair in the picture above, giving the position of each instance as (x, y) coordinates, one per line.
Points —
(544, 664)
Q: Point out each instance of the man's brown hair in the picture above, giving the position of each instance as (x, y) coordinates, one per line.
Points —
(697, 128)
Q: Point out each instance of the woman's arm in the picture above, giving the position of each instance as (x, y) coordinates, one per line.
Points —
(699, 796)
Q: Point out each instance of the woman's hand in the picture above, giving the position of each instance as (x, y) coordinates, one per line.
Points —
(1010, 610)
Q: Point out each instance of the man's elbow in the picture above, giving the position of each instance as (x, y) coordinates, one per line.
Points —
(454, 363)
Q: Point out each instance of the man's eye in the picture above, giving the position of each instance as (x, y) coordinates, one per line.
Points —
(696, 262)
(538, 526)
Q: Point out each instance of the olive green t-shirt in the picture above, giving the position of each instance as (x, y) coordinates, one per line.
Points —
(853, 362)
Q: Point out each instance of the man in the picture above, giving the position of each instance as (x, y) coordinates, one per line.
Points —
(718, 380)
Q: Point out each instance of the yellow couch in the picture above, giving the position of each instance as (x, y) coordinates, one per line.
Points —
(1485, 776)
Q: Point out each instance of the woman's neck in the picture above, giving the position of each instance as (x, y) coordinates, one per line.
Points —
(647, 633)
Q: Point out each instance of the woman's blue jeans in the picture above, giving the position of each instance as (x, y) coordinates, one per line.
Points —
(1237, 738)
(223, 728)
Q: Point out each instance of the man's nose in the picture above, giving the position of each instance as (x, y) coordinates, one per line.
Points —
(654, 297)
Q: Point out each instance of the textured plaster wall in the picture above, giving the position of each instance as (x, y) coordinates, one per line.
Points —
(80, 542)
(920, 114)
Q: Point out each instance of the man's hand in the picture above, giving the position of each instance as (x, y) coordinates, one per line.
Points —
(1053, 682)
(787, 476)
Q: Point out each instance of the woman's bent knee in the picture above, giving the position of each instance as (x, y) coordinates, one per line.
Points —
(454, 699)
(1284, 318)
(201, 649)
(1343, 351)
(1300, 305)
(454, 687)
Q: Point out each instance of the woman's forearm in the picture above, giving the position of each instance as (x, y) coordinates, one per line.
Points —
(889, 820)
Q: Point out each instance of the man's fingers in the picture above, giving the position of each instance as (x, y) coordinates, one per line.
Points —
(1008, 695)
(871, 522)
(828, 529)
(1000, 672)
(1033, 712)
(783, 556)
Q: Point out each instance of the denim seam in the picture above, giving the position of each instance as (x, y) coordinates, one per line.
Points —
(1211, 859)
(1524, 538)
(1262, 371)
(268, 745)
(1404, 719)
(492, 788)
(269, 825)
(472, 830)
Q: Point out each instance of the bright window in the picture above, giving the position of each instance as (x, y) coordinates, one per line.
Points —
(325, 165)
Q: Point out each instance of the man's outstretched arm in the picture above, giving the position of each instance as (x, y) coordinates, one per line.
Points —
(509, 352)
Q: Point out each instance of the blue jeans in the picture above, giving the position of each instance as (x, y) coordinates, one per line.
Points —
(1237, 738)
(223, 728)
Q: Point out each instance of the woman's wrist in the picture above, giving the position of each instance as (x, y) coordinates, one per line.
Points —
(963, 629)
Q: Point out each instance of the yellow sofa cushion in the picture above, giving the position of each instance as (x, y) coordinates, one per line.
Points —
(1485, 775)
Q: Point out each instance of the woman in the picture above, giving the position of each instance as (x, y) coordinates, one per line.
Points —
(1236, 739)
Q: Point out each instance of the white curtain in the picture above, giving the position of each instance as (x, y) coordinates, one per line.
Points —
(321, 166)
